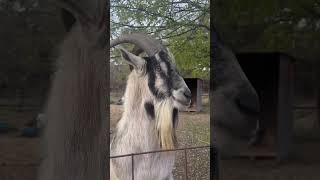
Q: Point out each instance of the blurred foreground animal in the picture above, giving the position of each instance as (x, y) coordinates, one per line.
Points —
(75, 132)
(236, 106)
(155, 92)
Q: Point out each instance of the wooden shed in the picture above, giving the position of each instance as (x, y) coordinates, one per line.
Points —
(195, 85)
(272, 75)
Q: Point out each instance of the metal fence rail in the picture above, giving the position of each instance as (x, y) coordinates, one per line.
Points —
(160, 151)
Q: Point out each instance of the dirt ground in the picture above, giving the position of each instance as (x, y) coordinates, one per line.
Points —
(304, 166)
(20, 156)
(304, 163)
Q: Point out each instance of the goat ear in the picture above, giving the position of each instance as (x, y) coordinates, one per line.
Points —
(93, 19)
(136, 61)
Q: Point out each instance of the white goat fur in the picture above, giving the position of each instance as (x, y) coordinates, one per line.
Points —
(76, 112)
(137, 133)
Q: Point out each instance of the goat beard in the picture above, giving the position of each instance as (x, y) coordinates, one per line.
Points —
(164, 124)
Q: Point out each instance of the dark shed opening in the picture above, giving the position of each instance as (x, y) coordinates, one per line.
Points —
(195, 86)
(271, 74)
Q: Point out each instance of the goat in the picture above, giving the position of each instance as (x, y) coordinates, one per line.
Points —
(154, 93)
(235, 108)
(76, 112)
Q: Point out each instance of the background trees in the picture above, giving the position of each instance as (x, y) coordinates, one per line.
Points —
(30, 31)
(182, 24)
(34, 28)
(292, 27)
(288, 26)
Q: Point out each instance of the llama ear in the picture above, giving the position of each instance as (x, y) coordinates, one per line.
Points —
(136, 61)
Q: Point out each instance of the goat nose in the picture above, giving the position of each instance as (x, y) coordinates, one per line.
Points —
(187, 93)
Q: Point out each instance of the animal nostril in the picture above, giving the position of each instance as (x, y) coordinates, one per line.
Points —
(187, 93)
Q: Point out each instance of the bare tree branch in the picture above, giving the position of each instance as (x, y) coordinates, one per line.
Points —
(134, 26)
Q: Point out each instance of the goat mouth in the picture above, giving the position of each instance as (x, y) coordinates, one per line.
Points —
(182, 102)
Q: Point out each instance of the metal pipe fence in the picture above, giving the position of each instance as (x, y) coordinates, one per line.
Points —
(160, 151)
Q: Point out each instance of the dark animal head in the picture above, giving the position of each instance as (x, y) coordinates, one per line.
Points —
(236, 107)
(89, 17)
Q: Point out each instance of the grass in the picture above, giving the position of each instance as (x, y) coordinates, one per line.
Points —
(193, 130)
(205, 104)
(200, 132)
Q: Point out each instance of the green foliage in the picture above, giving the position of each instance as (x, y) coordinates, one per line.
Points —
(289, 26)
(28, 38)
(182, 25)
(192, 57)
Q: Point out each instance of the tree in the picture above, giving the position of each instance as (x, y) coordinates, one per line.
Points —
(288, 26)
(182, 24)
(31, 31)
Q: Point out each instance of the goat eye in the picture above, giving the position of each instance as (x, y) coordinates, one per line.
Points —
(158, 68)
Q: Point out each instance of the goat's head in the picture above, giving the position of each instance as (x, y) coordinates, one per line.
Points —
(164, 80)
(159, 76)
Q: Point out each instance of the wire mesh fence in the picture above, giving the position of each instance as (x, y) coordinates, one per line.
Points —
(184, 150)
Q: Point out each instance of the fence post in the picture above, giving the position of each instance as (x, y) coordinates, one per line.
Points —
(132, 166)
(214, 163)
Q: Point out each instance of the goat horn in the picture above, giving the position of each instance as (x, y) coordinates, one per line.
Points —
(149, 45)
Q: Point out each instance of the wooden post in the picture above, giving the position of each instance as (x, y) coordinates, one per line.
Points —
(285, 108)
(317, 88)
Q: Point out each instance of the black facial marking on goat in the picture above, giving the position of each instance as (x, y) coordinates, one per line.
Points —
(164, 56)
(152, 77)
(166, 60)
(153, 72)
(174, 116)
(149, 107)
